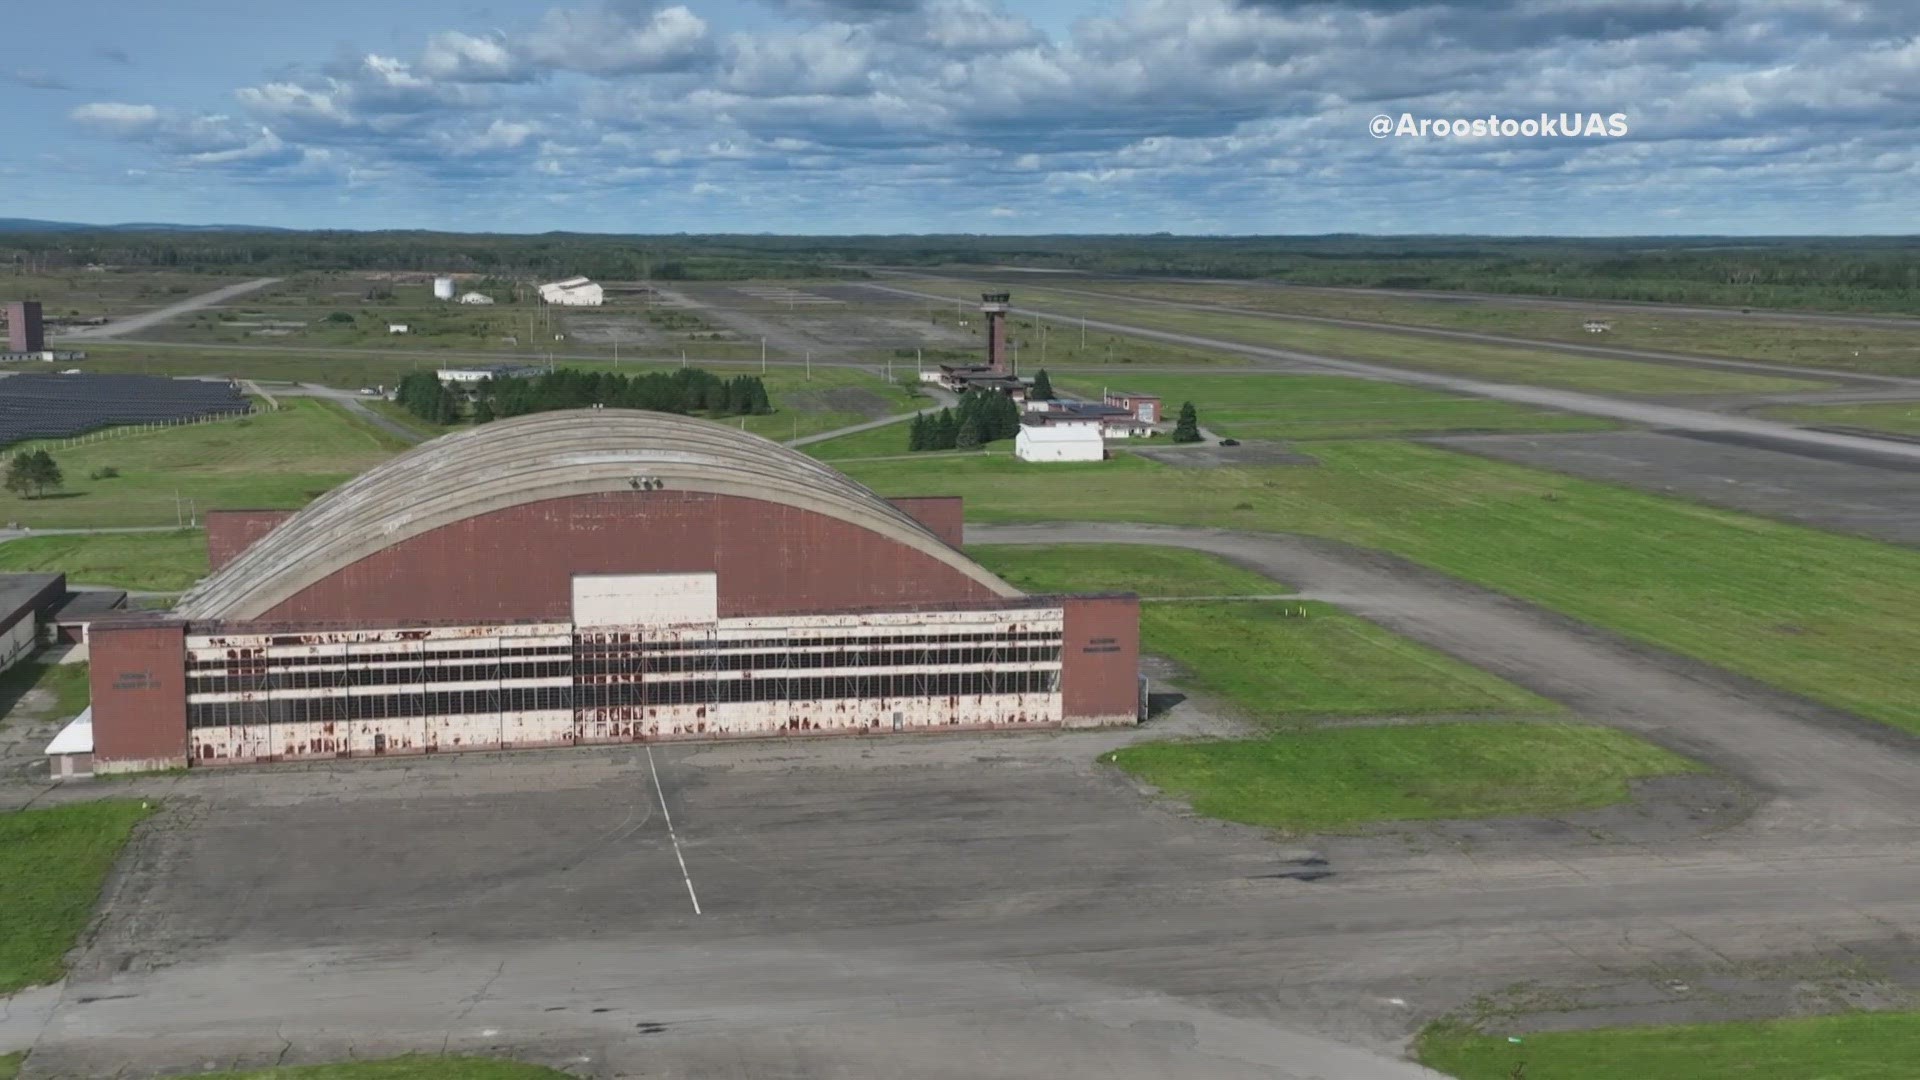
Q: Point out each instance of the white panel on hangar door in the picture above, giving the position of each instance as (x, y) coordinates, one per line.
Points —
(645, 599)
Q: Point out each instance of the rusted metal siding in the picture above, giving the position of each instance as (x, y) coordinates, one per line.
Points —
(943, 515)
(1100, 660)
(139, 695)
(230, 532)
(518, 563)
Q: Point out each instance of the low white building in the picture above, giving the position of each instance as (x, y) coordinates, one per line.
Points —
(573, 292)
(397, 328)
(475, 298)
(467, 376)
(1070, 441)
(70, 754)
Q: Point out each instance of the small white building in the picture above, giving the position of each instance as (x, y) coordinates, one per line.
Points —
(573, 292)
(443, 288)
(1068, 441)
(397, 328)
(475, 298)
(70, 754)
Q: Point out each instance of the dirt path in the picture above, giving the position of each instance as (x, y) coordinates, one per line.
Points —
(146, 320)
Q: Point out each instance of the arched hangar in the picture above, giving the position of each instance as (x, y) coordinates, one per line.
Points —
(595, 576)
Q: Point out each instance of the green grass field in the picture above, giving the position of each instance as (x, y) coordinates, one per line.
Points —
(414, 1067)
(52, 863)
(1898, 417)
(1278, 662)
(111, 293)
(1751, 337)
(65, 684)
(1066, 345)
(1294, 662)
(1317, 781)
(1847, 1046)
(1496, 363)
(1816, 613)
(271, 459)
(149, 562)
(1329, 406)
(1137, 568)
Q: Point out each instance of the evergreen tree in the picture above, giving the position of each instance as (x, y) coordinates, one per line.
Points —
(1042, 389)
(968, 437)
(917, 433)
(946, 430)
(482, 412)
(1006, 418)
(1187, 428)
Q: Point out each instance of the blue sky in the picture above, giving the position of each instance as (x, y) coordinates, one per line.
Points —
(826, 116)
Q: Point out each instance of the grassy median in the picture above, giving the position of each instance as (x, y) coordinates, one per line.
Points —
(1848, 1046)
(1336, 778)
(52, 864)
(411, 1067)
(1896, 417)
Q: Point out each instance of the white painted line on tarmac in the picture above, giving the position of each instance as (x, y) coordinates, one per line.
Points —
(671, 835)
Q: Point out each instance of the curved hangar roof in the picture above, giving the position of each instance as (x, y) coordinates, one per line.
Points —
(532, 458)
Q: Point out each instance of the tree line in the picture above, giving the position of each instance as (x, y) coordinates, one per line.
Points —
(983, 416)
(684, 391)
(1842, 273)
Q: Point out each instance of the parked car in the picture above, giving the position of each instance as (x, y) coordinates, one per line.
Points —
(1229, 442)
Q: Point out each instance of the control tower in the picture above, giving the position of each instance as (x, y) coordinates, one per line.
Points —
(993, 306)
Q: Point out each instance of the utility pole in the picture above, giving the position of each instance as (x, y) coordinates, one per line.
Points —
(763, 355)
(809, 365)
(1083, 333)
(616, 348)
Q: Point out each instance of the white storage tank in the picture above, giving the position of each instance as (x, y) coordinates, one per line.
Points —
(443, 288)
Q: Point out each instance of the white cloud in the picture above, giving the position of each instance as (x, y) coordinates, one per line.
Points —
(458, 57)
(608, 41)
(116, 117)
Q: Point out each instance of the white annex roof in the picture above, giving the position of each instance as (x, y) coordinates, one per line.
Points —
(76, 737)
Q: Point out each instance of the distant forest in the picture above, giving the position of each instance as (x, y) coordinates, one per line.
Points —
(1834, 273)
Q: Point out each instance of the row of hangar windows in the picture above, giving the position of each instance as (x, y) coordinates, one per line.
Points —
(207, 658)
(784, 689)
(593, 665)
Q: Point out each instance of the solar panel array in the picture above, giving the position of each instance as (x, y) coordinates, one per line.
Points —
(58, 406)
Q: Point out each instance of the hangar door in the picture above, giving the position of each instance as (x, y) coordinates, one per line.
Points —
(623, 625)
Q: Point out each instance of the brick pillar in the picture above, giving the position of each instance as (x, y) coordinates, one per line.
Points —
(139, 694)
(1100, 661)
